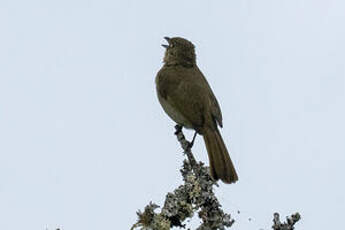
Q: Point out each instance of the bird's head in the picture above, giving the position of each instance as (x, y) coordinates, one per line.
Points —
(179, 51)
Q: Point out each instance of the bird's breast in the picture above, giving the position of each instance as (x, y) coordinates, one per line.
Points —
(173, 113)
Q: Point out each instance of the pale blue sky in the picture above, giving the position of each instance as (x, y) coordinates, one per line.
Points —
(84, 142)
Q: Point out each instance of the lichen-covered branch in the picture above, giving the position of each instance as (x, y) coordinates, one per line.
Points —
(288, 225)
(194, 196)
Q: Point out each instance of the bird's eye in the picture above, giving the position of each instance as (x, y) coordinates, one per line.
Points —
(171, 45)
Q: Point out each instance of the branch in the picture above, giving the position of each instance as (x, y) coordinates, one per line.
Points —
(194, 196)
(186, 146)
(288, 225)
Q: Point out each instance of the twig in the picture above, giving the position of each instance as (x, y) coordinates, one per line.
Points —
(288, 225)
(186, 147)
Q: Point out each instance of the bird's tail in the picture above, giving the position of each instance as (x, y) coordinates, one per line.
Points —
(221, 166)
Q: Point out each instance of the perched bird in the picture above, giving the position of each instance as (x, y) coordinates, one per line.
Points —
(187, 98)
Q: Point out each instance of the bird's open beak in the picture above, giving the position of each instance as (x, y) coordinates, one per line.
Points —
(168, 40)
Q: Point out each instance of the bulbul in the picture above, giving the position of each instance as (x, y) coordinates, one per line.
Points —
(187, 98)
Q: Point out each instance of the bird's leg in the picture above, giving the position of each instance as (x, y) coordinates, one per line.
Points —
(192, 143)
(178, 129)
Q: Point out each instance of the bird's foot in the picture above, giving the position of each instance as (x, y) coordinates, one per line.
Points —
(178, 129)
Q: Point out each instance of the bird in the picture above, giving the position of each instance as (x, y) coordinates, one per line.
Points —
(188, 99)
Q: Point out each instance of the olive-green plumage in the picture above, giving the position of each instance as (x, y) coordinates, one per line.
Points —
(187, 98)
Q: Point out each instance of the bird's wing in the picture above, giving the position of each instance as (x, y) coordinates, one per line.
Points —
(215, 108)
